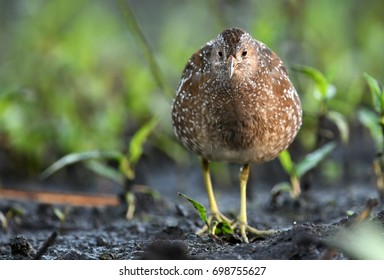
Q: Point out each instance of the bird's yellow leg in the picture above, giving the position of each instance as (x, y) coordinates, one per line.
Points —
(242, 220)
(215, 214)
(244, 174)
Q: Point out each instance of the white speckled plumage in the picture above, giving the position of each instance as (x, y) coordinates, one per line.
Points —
(235, 103)
(247, 116)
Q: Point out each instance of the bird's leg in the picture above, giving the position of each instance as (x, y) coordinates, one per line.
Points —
(215, 214)
(244, 174)
(242, 220)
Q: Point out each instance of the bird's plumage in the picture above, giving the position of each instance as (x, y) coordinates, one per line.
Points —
(235, 103)
(249, 117)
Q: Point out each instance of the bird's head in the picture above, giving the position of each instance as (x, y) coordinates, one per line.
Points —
(234, 52)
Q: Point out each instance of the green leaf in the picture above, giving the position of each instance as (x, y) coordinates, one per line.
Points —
(106, 171)
(223, 228)
(15, 211)
(126, 168)
(79, 157)
(377, 94)
(283, 187)
(59, 214)
(326, 90)
(200, 208)
(341, 122)
(138, 139)
(286, 162)
(313, 159)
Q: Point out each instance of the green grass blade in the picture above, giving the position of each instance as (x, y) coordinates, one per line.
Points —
(127, 169)
(283, 187)
(138, 140)
(59, 214)
(320, 80)
(199, 207)
(377, 94)
(313, 159)
(286, 162)
(223, 228)
(79, 157)
(145, 47)
(105, 171)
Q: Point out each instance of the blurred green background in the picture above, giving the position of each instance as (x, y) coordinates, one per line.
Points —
(75, 76)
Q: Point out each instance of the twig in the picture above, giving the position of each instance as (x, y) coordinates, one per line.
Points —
(60, 198)
(371, 203)
(48, 243)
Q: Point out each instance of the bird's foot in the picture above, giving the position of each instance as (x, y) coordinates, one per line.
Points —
(244, 228)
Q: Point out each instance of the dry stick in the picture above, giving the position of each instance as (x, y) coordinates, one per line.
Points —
(60, 198)
(145, 47)
(48, 243)
(379, 173)
(371, 203)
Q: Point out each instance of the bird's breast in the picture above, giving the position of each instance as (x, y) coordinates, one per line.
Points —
(248, 129)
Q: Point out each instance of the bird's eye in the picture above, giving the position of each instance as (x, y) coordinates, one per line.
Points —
(220, 53)
(244, 53)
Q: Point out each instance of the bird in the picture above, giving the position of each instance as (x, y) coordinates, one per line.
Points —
(235, 103)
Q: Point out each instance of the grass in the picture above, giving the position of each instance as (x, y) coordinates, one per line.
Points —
(297, 170)
(92, 81)
(103, 70)
(373, 120)
(96, 161)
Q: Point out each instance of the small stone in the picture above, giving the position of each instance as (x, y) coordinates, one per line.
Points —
(20, 246)
(101, 241)
(107, 256)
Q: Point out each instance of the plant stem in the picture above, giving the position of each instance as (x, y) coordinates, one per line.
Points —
(131, 205)
(48, 243)
(296, 188)
(379, 177)
(145, 47)
(377, 165)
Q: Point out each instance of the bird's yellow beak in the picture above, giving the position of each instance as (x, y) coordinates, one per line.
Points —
(232, 64)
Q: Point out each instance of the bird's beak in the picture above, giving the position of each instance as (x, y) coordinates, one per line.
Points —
(232, 64)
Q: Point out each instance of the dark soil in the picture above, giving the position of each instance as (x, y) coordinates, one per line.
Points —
(163, 228)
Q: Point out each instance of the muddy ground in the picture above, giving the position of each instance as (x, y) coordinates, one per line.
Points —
(163, 227)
